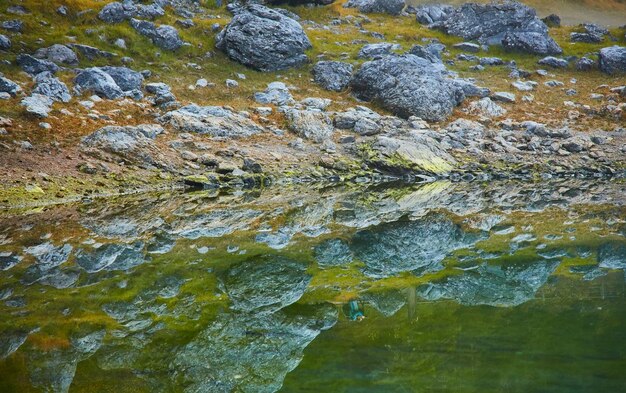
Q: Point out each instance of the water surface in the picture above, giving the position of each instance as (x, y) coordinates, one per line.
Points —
(438, 287)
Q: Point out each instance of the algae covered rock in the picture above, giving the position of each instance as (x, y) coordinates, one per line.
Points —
(264, 39)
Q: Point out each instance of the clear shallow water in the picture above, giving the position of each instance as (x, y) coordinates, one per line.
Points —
(572, 12)
(440, 287)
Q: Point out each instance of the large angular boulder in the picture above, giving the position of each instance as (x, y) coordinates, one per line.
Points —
(408, 85)
(57, 53)
(164, 36)
(33, 66)
(211, 120)
(612, 60)
(264, 39)
(311, 124)
(5, 42)
(8, 86)
(125, 78)
(50, 86)
(499, 22)
(97, 81)
(332, 75)
(392, 7)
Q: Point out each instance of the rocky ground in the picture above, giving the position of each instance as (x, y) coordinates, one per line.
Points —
(106, 98)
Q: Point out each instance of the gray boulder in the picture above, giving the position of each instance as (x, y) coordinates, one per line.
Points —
(13, 25)
(50, 86)
(332, 75)
(8, 86)
(553, 62)
(164, 36)
(162, 93)
(34, 66)
(431, 13)
(586, 37)
(612, 60)
(116, 12)
(311, 124)
(150, 11)
(486, 107)
(57, 53)
(276, 93)
(408, 86)
(372, 51)
(5, 42)
(211, 120)
(264, 39)
(38, 105)
(125, 78)
(392, 7)
(430, 52)
(498, 23)
(97, 81)
(132, 144)
(531, 42)
(585, 64)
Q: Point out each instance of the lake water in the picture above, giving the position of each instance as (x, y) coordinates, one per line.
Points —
(572, 12)
(449, 287)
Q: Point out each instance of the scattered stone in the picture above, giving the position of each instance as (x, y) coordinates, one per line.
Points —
(92, 53)
(552, 20)
(408, 86)
(34, 66)
(264, 39)
(125, 78)
(276, 93)
(59, 54)
(428, 14)
(211, 120)
(612, 60)
(38, 105)
(586, 37)
(366, 127)
(553, 62)
(117, 12)
(524, 85)
(62, 10)
(391, 7)
(467, 47)
(14, 25)
(164, 36)
(230, 83)
(491, 61)
(553, 83)
(5, 42)
(97, 81)
(372, 51)
(486, 107)
(503, 97)
(332, 75)
(311, 124)
(50, 86)
(8, 86)
(585, 64)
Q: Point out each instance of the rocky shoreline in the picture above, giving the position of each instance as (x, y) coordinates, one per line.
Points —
(78, 121)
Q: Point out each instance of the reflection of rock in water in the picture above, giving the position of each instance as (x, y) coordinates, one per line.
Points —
(387, 303)
(265, 284)
(111, 257)
(612, 255)
(10, 341)
(249, 352)
(214, 224)
(333, 252)
(404, 246)
(502, 286)
(54, 371)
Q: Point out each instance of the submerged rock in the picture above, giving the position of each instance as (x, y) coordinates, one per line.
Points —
(332, 75)
(264, 39)
(211, 120)
(268, 284)
(500, 286)
(408, 86)
(410, 246)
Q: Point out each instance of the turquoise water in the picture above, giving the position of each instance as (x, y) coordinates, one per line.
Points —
(397, 288)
